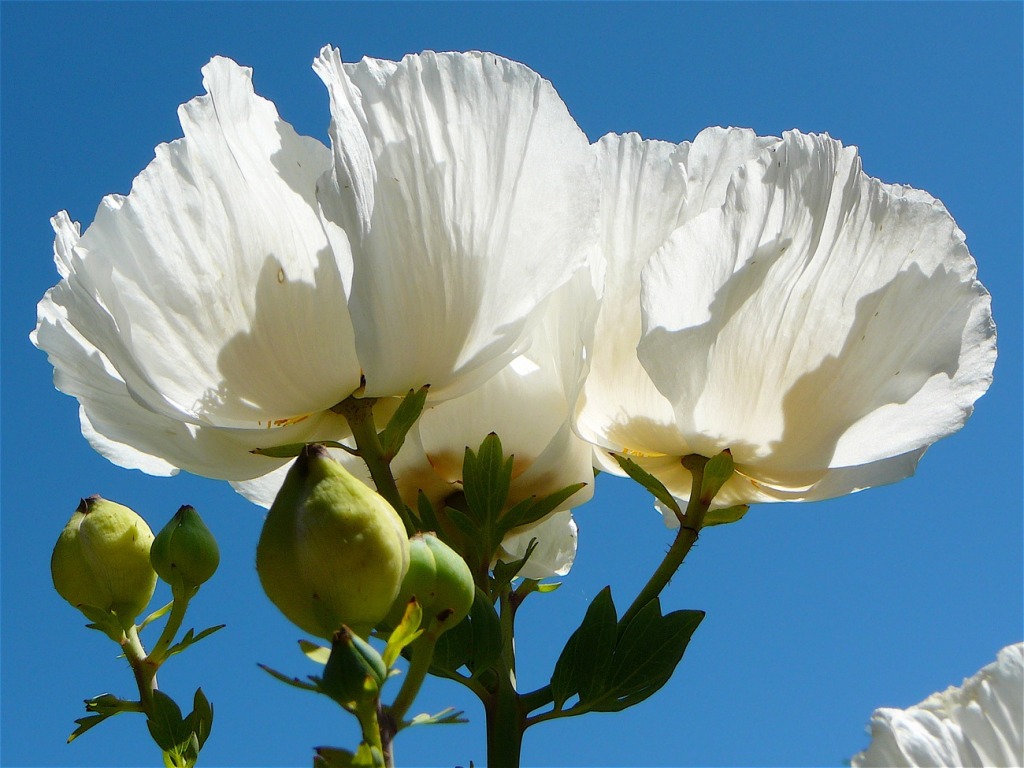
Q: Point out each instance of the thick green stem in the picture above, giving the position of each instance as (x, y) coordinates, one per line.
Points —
(506, 722)
(358, 412)
(143, 669)
(505, 715)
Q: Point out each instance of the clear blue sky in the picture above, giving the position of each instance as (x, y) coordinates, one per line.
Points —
(816, 613)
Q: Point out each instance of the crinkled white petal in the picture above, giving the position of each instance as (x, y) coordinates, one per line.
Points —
(211, 289)
(648, 189)
(819, 320)
(555, 552)
(465, 190)
(980, 723)
(132, 436)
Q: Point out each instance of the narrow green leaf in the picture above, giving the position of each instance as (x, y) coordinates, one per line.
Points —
(315, 652)
(586, 658)
(717, 472)
(427, 517)
(292, 681)
(155, 615)
(165, 722)
(393, 436)
(549, 586)
(447, 716)
(727, 515)
(463, 522)
(486, 477)
(191, 638)
(531, 510)
(87, 722)
(291, 450)
(406, 632)
(653, 485)
(332, 757)
(504, 572)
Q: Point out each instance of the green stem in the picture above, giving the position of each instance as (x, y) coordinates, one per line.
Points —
(178, 607)
(505, 715)
(689, 530)
(143, 669)
(419, 664)
(358, 412)
(370, 728)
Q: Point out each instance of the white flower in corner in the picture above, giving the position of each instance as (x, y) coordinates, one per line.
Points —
(981, 723)
(823, 326)
(254, 278)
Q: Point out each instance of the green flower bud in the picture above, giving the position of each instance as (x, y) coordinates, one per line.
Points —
(440, 581)
(332, 551)
(351, 662)
(101, 559)
(185, 549)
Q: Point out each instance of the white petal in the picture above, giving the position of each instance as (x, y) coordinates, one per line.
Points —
(132, 436)
(820, 319)
(649, 188)
(211, 288)
(555, 551)
(478, 204)
(980, 723)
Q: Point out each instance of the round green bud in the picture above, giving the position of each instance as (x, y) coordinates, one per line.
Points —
(440, 581)
(351, 662)
(332, 551)
(101, 559)
(185, 550)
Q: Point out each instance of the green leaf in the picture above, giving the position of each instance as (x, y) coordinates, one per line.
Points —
(291, 450)
(463, 522)
(393, 436)
(474, 643)
(585, 661)
(717, 472)
(486, 477)
(292, 681)
(447, 716)
(505, 572)
(200, 720)
(364, 757)
(427, 517)
(155, 615)
(531, 510)
(318, 653)
(165, 723)
(727, 515)
(191, 639)
(646, 655)
(653, 485)
(103, 621)
(406, 632)
(87, 722)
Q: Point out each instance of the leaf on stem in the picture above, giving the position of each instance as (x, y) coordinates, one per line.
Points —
(448, 716)
(586, 659)
(653, 485)
(727, 515)
(474, 643)
(156, 615)
(200, 720)
(406, 632)
(191, 639)
(533, 509)
(291, 450)
(165, 722)
(292, 681)
(393, 436)
(717, 472)
(486, 477)
(318, 653)
(646, 655)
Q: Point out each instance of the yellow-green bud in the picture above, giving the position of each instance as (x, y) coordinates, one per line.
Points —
(185, 550)
(440, 581)
(332, 551)
(101, 559)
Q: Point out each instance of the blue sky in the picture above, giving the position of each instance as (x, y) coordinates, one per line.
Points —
(816, 614)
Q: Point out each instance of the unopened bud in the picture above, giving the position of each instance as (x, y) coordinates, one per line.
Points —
(185, 550)
(101, 559)
(355, 671)
(332, 551)
(440, 581)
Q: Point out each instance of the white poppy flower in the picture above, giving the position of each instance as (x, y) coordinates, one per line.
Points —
(823, 326)
(527, 405)
(253, 276)
(980, 723)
